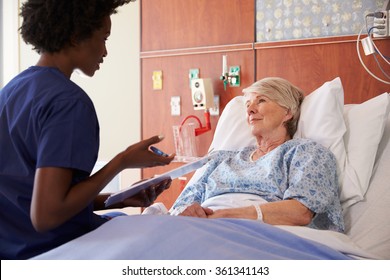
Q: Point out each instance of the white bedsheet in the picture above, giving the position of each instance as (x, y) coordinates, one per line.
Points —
(335, 240)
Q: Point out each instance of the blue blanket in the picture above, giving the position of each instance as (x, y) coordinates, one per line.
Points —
(185, 238)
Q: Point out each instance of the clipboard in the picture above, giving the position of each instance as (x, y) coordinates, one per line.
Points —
(173, 174)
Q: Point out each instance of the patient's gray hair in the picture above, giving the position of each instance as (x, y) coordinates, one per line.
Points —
(283, 93)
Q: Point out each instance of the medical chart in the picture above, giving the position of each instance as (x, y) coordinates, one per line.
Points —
(173, 174)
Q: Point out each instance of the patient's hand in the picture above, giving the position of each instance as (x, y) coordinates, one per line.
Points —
(195, 210)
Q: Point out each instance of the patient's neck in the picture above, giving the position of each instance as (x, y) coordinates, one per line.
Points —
(266, 145)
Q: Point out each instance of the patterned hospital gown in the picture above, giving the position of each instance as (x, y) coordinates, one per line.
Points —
(299, 169)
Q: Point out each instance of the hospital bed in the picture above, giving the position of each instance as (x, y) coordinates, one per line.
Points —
(357, 134)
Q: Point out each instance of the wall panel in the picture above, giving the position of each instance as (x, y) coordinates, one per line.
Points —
(176, 24)
(309, 63)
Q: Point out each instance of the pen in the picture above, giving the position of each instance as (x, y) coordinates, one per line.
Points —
(158, 151)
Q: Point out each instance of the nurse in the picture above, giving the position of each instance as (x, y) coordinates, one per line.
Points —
(49, 133)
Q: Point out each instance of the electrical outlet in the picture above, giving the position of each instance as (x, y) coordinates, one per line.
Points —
(175, 106)
(214, 111)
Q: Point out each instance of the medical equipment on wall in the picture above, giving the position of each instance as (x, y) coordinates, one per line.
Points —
(378, 27)
(231, 77)
(202, 96)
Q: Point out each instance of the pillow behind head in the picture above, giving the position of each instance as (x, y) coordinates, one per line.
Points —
(232, 131)
(322, 121)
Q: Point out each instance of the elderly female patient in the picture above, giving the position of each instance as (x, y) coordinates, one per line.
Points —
(281, 180)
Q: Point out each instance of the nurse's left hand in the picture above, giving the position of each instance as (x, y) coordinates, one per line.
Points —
(146, 197)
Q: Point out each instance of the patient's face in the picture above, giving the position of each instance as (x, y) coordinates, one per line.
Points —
(264, 116)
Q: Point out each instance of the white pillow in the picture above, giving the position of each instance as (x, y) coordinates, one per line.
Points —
(322, 121)
(365, 125)
(232, 131)
(367, 222)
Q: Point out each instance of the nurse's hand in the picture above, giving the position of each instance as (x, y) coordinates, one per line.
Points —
(146, 197)
(139, 155)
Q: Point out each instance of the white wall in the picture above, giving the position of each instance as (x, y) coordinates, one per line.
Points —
(115, 88)
(1, 44)
(10, 40)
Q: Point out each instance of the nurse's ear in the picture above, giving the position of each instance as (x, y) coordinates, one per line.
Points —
(74, 41)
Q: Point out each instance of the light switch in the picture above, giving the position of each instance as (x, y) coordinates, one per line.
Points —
(157, 80)
(175, 106)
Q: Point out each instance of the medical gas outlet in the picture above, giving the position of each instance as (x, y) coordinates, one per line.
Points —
(381, 24)
(232, 77)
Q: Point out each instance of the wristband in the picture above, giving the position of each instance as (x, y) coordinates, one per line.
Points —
(259, 212)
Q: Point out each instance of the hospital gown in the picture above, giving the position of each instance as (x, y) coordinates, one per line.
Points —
(299, 169)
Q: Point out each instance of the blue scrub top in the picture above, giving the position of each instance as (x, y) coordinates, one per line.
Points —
(46, 120)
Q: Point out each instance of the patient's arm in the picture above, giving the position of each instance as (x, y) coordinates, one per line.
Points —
(285, 212)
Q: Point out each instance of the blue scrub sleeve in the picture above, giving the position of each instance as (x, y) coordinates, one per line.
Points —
(70, 136)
